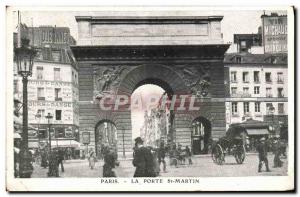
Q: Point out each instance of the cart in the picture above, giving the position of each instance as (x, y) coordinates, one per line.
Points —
(231, 144)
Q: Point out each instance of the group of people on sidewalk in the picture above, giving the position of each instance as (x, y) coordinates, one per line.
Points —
(110, 160)
(262, 149)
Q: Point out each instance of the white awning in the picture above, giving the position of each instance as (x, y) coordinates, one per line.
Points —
(19, 121)
(257, 131)
(33, 144)
(17, 136)
(65, 143)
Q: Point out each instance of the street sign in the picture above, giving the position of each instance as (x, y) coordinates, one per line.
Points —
(86, 137)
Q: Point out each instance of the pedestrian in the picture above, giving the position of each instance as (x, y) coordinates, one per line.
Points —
(44, 158)
(53, 164)
(174, 156)
(162, 155)
(156, 166)
(180, 154)
(143, 160)
(60, 159)
(110, 162)
(189, 154)
(262, 154)
(277, 152)
(92, 159)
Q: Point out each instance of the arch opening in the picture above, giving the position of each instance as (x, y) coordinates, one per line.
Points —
(200, 135)
(105, 136)
(151, 121)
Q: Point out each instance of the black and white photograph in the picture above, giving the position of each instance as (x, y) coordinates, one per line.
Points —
(137, 99)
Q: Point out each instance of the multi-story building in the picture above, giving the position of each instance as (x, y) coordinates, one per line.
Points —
(256, 86)
(52, 88)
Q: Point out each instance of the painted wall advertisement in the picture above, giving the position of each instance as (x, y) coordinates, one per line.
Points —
(275, 34)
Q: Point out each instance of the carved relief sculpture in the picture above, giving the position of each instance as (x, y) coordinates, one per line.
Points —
(197, 78)
(106, 80)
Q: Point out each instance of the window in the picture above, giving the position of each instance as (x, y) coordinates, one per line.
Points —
(246, 107)
(280, 77)
(39, 72)
(75, 79)
(57, 92)
(234, 90)
(40, 94)
(42, 133)
(238, 59)
(59, 133)
(280, 92)
(243, 44)
(58, 114)
(198, 129)
(256, 89)
(245, 77)
(56, 74)
(233, 77)
(46, 53)
(269, 92)
(269, 107)
(246, 90)
(256, 76)
(280, 108)
(257, 106)
(234, 108)
(56, 56)
(268, 78)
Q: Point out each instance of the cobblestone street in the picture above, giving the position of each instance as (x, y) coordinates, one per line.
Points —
(203, 166)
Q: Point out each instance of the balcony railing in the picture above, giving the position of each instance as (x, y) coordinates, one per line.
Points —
(241, 95)
(268, 81)
(256, 81)
(269, 95)
(58, 99)
(280, 81)
(41, 98)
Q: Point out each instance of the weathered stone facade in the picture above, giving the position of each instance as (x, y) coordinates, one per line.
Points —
(184, 65)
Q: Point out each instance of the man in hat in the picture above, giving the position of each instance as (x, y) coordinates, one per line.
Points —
(277, 152)
(110, 162)
(143, 160)
(162, 155)
(262, 154)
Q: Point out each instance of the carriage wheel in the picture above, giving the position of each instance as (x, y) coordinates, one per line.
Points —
(240, 154)
(218, 155)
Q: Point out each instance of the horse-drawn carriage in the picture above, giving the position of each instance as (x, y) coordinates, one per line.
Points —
(232, 143)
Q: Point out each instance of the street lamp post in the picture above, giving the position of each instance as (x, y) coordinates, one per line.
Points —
(38, 116)
(24, 57)
(50, 169)
(49, 117)
(272, 111)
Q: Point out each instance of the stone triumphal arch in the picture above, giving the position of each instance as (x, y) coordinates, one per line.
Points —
(183, 55)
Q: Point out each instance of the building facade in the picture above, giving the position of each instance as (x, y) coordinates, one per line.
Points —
(256, 87)
(52, 88)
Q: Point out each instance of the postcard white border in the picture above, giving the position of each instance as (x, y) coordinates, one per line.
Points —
(266, 183)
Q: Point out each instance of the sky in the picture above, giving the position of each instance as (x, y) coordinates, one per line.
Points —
(234, 22)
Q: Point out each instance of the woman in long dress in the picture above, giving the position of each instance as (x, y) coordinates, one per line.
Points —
(92, 160)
